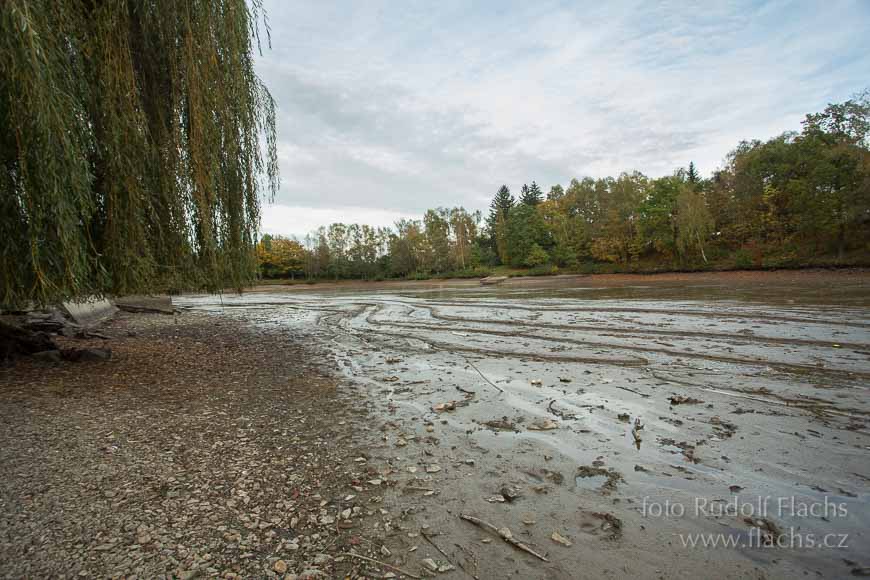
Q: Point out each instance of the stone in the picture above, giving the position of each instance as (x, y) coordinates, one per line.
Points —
(52, 356)
(280, 567)
(321, 559)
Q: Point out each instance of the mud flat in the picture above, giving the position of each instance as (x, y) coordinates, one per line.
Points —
(653, 428)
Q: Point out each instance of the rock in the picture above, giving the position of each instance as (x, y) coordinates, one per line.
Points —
(560, 539)
(280, 567)
(52, 356)
(430, 564)
(87, 354)
(510, 493)
(543, 425)
(95, 354)
(321, 559)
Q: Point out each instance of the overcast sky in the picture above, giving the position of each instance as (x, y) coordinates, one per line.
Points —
(387, 109)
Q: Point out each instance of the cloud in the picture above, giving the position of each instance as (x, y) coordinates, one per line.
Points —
(413, 105)
(298, 221)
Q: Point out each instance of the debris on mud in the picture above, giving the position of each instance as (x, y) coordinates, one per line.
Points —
(560, 539)
(543, 424)
(559, 413)
(505, 534)
(453, 405)
(607, 523)
(510, 493)
(611, 477)
(686, 448)
(770, 532)
(681, 400)
(503, 424)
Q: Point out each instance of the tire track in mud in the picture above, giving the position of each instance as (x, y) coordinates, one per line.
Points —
(450, 347)
(444, 346)
(812, 405)
(791, 368)
(678, 312)
(635, 331)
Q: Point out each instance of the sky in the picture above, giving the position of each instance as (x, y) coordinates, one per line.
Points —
(386, 109)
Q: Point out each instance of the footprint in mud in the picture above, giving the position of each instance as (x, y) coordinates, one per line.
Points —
(600, 524)
(597, 479)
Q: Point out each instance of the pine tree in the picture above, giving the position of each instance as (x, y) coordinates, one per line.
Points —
(532, 195)
(500, 206)
(692, 174)
(499, 210)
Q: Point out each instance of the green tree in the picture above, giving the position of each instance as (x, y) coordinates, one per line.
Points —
(499, 210)
(556, 193)
(694, 222)
(463, 227)
(130, 146)
(524, 229)
(531, 195)
(437, 231)
(692, 174)
(537, 256)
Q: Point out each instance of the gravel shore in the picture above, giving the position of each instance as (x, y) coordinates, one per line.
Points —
(203, 448)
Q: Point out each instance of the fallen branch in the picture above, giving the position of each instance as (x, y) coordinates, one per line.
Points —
(379, 563)
(645, 396)
(504, 534)
(560, 414)
(496, 387)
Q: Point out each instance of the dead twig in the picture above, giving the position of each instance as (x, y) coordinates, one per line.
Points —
(645, 396)
(496, 387)
(560, 414)
(443, 553)
(379, 563)
(504, 534)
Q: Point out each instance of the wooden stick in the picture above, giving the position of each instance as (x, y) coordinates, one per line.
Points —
(443, 553)
(645, 396)
(504, 535)
(497, 388)
(379, 563)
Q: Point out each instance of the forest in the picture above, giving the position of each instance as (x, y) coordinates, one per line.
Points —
(799, 199)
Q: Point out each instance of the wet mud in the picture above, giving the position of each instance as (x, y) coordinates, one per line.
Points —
(605, 426)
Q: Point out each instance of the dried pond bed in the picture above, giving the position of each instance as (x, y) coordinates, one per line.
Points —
(594, 400)
(562, 415)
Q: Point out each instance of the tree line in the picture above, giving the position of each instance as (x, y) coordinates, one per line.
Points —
(801, 198)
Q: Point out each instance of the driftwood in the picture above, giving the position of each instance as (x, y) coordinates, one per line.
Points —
(504, 534)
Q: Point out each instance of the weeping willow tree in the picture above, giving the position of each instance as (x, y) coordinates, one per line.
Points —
(136, 144)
